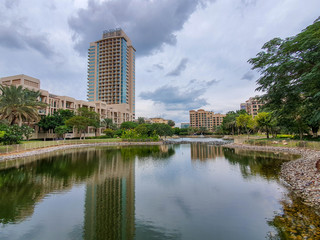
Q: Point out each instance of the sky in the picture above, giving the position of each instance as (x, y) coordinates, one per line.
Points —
(190, 54)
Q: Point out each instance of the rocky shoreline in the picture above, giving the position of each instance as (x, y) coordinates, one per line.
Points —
(39, 151)
(301, 175)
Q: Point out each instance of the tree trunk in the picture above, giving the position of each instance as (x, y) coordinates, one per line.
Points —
(267, 130)
(315, 131)
(300, 135)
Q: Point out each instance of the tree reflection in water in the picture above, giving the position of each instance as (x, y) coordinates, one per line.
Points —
(109, 178)
(297, 220)
(25, 182)
(254, 163)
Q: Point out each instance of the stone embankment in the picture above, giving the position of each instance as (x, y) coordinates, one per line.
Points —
(301, 175)
(63, 147)
(211, 142)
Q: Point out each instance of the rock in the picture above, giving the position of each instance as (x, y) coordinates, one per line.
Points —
(318, 165)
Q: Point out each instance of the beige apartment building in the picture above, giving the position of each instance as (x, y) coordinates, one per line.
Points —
(207, 119)
(252, 106)
(117, 112)
(158, 120)
(111, 70)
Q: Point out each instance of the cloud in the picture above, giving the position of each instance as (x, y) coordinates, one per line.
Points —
(149, 24)
(155, 67)
(11, 3)
(248, 76)
(158, 66)
(179, 69)
(212, 82)
(175, 98)
(194, 83)
(16, 36)
(10, 38)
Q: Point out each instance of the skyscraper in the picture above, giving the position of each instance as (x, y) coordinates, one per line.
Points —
(111, 69)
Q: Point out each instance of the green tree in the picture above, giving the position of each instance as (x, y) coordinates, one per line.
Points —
(13, 134)
(177, 130)
(108, 123)
(202, 130)
(245, 121)
(79, 122)
(171, 123)
(27, 131)
(290, 73)
(264, 122)
(109, 133)
(191, 130)
(229, 123)
(65, 114)
(62, 130)
(58, 118)
(18, 105)
(128, 125)
(93, 117)
(162, 129)
(141, 120)
(144, 130)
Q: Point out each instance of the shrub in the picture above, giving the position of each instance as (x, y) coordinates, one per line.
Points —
(13, 135)
(109, 133)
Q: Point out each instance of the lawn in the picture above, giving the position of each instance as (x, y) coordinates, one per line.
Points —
(29, 145)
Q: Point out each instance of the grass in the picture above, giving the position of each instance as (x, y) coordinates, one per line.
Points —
(315, 145)
(30, 145)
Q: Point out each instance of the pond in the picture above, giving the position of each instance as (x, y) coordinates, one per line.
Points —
(180, 191)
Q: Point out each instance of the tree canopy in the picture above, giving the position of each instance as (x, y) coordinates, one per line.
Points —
(290, 73)
(171, 123)
(128, 125)
(18, 105)
(55, 120)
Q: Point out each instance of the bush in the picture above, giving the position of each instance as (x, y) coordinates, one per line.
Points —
(285, 136)
(13, 134)
(109, 133)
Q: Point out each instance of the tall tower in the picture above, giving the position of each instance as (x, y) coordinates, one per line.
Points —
(111, 69)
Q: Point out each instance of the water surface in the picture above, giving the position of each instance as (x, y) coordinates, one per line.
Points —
(186, 191)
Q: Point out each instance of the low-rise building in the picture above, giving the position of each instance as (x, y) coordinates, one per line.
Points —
(252, 106)
(119, 113)
(207, 119)
(184, 125)
(158, 120)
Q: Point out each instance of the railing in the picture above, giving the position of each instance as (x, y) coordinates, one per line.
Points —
(35, 145)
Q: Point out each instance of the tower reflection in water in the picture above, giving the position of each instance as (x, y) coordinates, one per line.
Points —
(110, 194)
(109, 201)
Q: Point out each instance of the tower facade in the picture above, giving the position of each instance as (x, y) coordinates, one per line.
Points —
(111, 69)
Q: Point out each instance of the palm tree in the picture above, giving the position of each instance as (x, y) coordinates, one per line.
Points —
(18, 104)
(108, 123)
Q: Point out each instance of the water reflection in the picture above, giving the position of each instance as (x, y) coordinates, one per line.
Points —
(204, 152)
(109, 175)
(154, 192)
(254, 163)
(109, 201)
